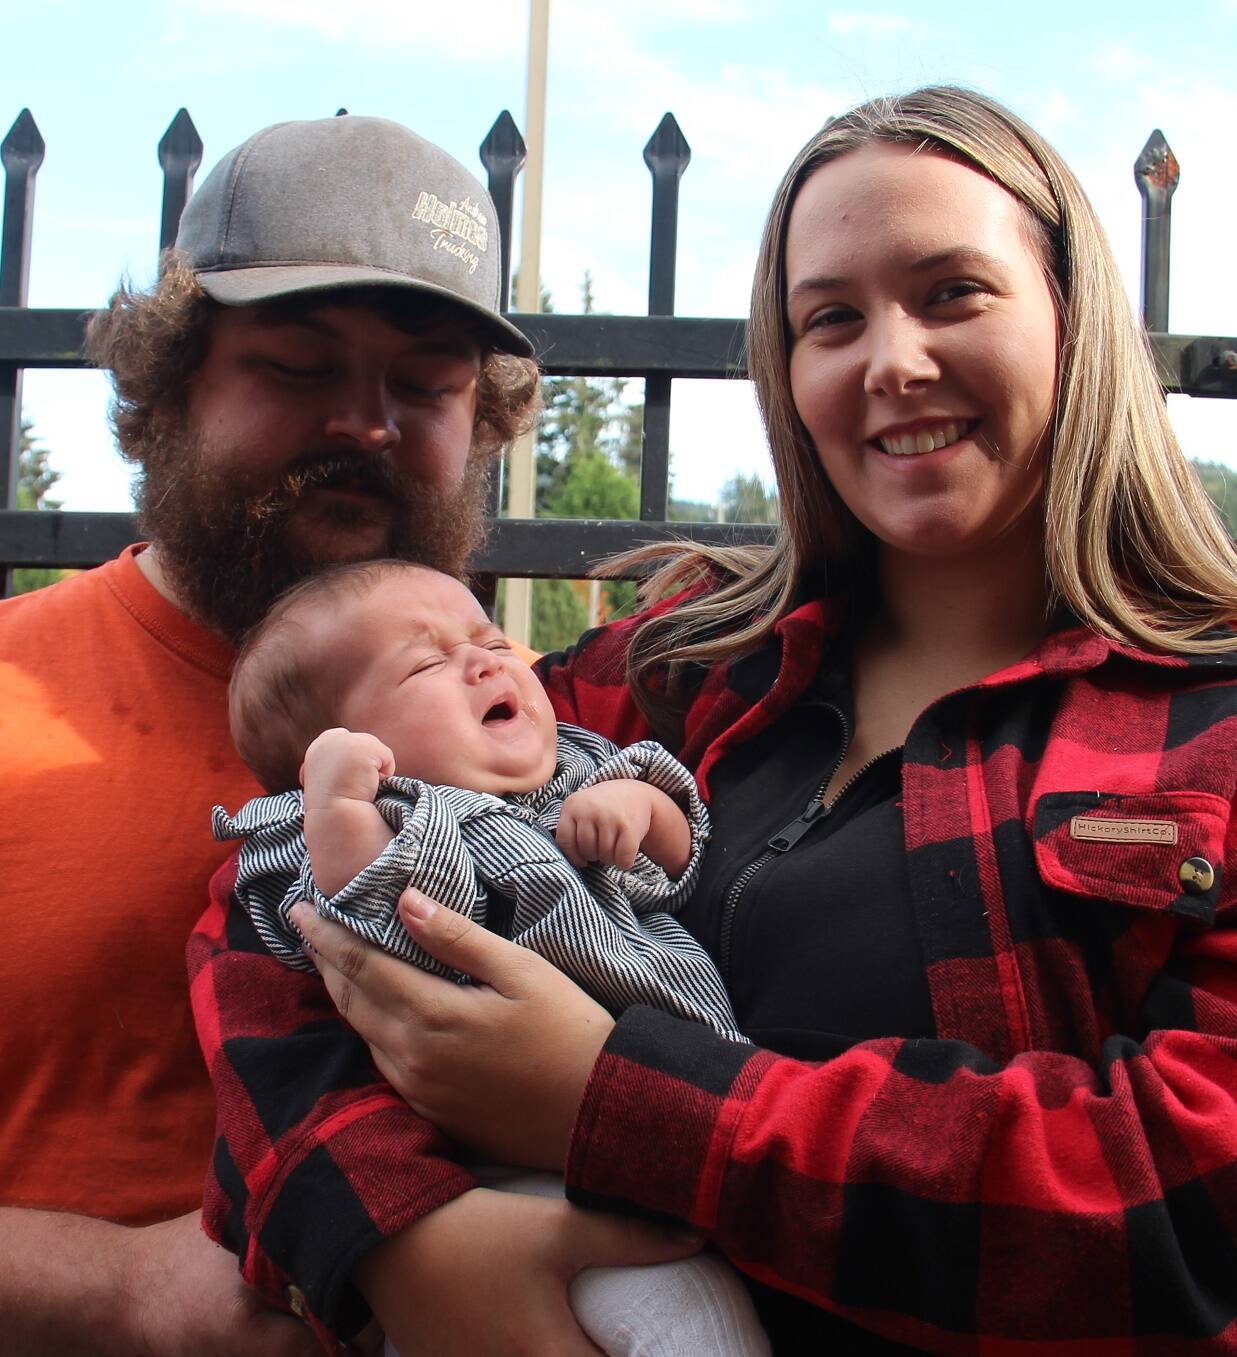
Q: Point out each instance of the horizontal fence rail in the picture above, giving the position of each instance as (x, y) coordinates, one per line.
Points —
(626, 346)
(658, 347)
(538, 548)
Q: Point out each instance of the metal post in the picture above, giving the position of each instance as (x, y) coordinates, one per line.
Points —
(667, 155)
(521, 479)
(180, 154)
(1156, 173)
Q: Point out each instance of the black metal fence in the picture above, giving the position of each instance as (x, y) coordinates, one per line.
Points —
(658, 348)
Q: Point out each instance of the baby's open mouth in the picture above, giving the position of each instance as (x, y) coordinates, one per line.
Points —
(499, 712)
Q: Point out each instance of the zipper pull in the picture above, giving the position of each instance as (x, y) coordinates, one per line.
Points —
(797, 828)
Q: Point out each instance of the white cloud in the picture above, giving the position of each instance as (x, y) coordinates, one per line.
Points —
(872, 25)
(484, 30)
(1056, 113)
(1120, 62)
(680, 11)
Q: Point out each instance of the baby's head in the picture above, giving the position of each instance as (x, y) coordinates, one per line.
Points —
(404, 653)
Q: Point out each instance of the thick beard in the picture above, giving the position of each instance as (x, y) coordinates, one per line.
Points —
(229, 548)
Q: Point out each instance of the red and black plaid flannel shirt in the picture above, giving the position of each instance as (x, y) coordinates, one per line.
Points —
(1056, 1171)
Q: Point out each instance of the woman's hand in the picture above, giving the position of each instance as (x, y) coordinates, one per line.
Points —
(500, 1065)
(488, 1274)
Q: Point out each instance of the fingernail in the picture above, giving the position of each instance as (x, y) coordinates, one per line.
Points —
(421, 907)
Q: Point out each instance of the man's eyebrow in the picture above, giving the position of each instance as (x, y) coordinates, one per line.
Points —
(433, 341)
(278, 318)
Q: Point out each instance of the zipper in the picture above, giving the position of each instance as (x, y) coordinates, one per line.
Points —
(784, 840)
(815, 812)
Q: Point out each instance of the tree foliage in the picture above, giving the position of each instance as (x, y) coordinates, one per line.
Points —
(588, 466)
(35, 479)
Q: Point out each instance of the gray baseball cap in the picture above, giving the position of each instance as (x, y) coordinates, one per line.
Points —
(346, 202)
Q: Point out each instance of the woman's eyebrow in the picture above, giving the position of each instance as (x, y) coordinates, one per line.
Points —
(817, 283)
(956, 254)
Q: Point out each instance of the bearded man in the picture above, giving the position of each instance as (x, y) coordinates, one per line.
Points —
(321, 374)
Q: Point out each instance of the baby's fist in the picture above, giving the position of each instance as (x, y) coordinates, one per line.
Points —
(605, 823)
(344, 763)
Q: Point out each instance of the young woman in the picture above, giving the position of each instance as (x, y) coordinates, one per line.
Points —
(969, 738)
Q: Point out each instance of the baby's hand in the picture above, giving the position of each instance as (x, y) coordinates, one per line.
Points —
(606, 823)
(345, 764)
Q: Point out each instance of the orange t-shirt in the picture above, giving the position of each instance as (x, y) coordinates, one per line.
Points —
(113, 748)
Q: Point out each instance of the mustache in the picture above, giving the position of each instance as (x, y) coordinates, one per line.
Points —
(372, 475)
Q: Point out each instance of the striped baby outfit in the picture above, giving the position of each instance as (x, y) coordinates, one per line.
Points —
(494, 860)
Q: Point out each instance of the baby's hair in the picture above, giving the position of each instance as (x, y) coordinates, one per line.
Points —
(282, 694)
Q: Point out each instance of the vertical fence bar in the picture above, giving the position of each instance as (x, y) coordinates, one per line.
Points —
(502, 153)
(1156, 173)
(21, 154)
(667, 155)
(180, 154)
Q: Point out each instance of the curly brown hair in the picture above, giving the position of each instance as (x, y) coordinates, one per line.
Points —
(153, 342)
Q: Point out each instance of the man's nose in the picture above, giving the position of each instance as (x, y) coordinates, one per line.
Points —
(898, 357)
(363, 414)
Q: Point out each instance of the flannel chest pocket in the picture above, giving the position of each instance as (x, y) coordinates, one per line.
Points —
(1159, 850)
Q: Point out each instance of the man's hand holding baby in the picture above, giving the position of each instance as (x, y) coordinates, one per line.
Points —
(613, 821)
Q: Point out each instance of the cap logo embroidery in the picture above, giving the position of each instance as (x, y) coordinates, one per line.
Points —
(454, 227)
(1122, 831)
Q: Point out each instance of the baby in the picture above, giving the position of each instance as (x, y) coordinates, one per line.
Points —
(429, 755)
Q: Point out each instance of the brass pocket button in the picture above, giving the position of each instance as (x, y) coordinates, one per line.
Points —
(1197, 875)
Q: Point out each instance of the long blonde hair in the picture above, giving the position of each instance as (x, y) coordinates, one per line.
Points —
(1133, 546)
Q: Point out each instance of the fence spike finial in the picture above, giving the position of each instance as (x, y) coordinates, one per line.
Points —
(180, 154)
(181, 141)
(667, 148)
(23, 147)
(1156, 165)
(503, 142)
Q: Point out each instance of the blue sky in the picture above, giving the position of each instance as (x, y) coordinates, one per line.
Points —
(748, 80)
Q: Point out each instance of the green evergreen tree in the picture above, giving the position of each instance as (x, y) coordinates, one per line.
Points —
(35, 479)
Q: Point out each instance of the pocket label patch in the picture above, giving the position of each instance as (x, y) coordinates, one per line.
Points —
(1103, 830)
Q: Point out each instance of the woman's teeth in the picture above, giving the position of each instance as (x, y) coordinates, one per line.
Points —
(923, 440)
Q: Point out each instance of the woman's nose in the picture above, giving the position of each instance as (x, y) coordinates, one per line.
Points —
(898, 359)
(363, 415)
